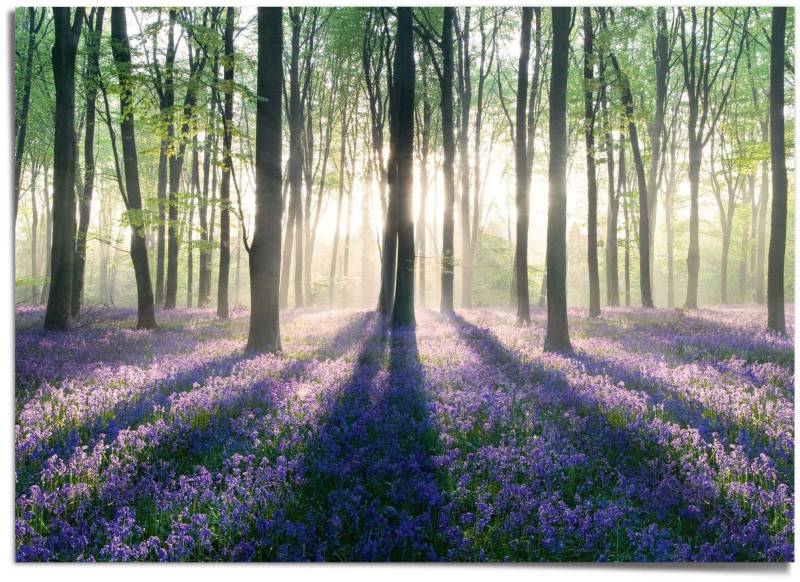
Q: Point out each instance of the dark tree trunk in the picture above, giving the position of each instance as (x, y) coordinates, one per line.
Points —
(294, 234)
(34, 240)
(521, 163)
(24, 107)
(204, 276)
(227, 161)
(641, 180)
(64, 51)
(448, 139)
(403, 183)
(85, 204)
(265, 251)
(171, 284)
(591, 175)
(776, 319)
(557, 338)
(122, 60)
(465, 94)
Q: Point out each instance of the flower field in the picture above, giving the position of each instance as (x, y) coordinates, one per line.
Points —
(667, 437)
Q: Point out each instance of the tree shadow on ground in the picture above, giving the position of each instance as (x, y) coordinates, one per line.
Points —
(369, 491)
(645, 471)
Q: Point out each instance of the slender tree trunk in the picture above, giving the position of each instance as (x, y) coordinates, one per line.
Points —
(465, 92)
(449, 156)
(521, 162)
(265, 251)
(612, 265)
(34, 240)
(65, 48)
(22, 119)
(776, 320)
(339, 202)
(227, 161)
(48, 229)
(557, 338)
(403, 87)
(85, 205)
(761, 244)
(591, 174)
(122, 60)
(295, 164)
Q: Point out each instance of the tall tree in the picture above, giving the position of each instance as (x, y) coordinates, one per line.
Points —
(65, 48)
(464, 70)
(557, 338)
(120, 47)
(612, 208)
(92, 42)
(591, 174)
(265, 250)
(702, 78)
(776, 319)
(403, 180)
(227, 162)
(21, 121)
(521, 164)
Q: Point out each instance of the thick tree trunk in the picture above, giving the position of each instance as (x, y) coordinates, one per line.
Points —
(521, 163)
(122, 60)
(64, 51)
(403, 86)
(265, 251)
(776, 319)
(591, 174)
(227, 161)
(85, 205)
(557, 338)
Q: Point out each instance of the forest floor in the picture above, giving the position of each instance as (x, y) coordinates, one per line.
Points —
(667, 436)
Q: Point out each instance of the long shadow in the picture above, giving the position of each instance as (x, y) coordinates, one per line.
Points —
(643, 462)
(126, 414)
(369, 491)
(693, 413)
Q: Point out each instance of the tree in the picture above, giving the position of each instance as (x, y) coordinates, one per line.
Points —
(65, 48)
(265, 250)
(591, 175)
(702, 78)
(776, 319)
(521, 163)
(403, 180)
(95, 24)
(21, 125)
(557, 338)
(132, 195)
(227, 163)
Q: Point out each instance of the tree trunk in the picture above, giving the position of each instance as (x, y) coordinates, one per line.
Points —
(339, 202)
(448, 139)
(761, 244)
(85, 205)
(557, 338)
(64, 51)
(227, 161)
(521, 163)
(403, 87)
(776, 320)
(591, 175)
(465, 93)
(48, 229)
(122, 60)
(22, 120)
(612, 265)
(265, 251)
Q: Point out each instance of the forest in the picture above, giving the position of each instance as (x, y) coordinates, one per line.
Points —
(410, 284)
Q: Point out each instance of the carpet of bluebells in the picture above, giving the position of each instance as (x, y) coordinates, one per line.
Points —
(668, 436)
